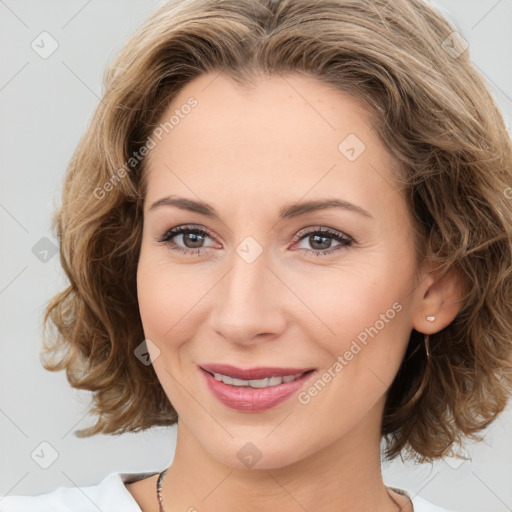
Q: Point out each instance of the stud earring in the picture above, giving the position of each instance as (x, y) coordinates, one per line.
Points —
(431, 318)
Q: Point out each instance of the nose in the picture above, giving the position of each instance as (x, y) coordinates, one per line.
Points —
(248, 305)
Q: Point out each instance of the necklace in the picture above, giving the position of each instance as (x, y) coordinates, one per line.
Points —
(161, 501)
(159, 489)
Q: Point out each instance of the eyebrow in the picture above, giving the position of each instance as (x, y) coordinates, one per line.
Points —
(289, 211)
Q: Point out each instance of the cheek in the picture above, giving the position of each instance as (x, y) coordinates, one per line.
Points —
(157, 295)
(347, 302)
(361, 315)
(150, 295)
(167, 322)
(374, 341)
(367, 306)
(170, 300)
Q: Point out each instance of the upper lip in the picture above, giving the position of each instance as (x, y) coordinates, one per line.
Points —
(252, 373)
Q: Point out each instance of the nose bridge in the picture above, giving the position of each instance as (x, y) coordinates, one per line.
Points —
(247, 303)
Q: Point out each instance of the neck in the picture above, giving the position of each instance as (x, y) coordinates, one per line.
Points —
(344, 476)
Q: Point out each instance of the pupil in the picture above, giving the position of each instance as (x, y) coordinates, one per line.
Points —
(196, 239)
(315, 238)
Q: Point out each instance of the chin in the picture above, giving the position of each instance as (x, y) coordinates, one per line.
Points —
(253, 452)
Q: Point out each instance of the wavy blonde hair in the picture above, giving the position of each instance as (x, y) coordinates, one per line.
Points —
(432, 111)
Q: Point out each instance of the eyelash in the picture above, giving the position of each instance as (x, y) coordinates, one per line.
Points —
(345, 241)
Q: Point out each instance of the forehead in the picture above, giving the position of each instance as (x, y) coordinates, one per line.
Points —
(292, 107)
(290, 134)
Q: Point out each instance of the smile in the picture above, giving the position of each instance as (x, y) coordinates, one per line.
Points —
(260, 390)
(256, 383)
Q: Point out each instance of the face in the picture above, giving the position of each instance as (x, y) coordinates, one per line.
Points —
(252, 282)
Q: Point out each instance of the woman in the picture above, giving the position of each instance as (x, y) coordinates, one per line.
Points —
(286, 230)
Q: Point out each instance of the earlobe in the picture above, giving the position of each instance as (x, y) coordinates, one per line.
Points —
(439, 302)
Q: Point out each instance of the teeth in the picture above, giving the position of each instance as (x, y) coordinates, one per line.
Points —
(256, 383)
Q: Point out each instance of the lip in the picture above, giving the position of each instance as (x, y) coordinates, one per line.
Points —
(252, 373)
(249, 399)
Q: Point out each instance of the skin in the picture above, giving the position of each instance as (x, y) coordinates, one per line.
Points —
(248, 152)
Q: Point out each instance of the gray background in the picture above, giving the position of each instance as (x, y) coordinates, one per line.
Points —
(46, 105)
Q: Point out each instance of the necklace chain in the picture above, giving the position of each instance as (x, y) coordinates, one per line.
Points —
(161, 501)
(159, 489)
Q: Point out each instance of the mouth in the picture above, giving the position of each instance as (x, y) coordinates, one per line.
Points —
(265, 382)
(255, 389)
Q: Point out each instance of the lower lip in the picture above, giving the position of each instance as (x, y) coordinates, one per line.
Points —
(249, 399)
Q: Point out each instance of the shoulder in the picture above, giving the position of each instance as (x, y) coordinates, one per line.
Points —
(110, 495)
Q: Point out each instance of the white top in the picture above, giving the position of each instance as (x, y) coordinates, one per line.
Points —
(111, 495)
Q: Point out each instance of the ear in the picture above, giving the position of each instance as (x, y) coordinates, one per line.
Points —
(437, 296)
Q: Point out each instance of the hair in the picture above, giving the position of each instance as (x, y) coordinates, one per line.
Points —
(433, 112)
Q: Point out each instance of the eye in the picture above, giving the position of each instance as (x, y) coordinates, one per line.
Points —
(192, 237)
(321, 241)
